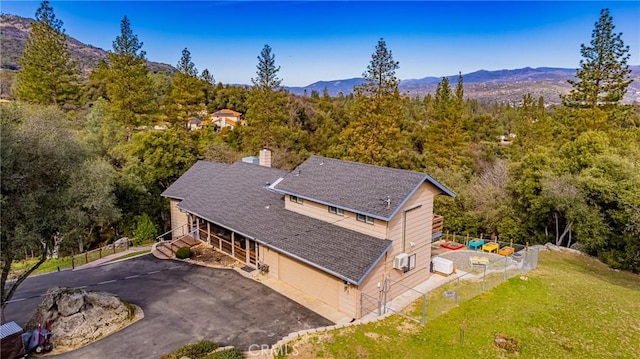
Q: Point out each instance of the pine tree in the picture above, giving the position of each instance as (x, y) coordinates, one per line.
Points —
(445, 135)
(47, 75)
(208, 86)
(186, 97)
(129, 88)
(267, 71)
(208, 77)
(373, 135)
(603, 77)
(186, 66)
(266, 112)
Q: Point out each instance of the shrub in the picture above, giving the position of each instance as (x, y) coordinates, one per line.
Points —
(231, 353)
(184, 252)
(196, 350)
(145, 229)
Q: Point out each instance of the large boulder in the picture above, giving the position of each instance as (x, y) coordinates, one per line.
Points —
(79, 317)
(123, 242)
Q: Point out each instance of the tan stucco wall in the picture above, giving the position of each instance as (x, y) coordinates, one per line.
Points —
(178, 218)
(320, 211)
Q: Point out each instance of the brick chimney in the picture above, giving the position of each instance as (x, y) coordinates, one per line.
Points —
(265, 157)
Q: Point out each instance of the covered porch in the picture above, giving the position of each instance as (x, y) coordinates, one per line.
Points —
(235, 244)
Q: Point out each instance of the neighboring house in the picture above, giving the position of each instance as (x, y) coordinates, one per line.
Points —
(194, 124)
(330, 228)
(226, 118)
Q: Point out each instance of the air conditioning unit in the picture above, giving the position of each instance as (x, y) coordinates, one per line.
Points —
(401, 261)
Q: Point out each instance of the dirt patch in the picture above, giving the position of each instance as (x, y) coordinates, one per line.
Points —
(504, 342)
(208, 255)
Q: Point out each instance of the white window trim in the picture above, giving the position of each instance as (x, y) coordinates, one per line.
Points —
(335, 210)
(363, 218)
(295, 199)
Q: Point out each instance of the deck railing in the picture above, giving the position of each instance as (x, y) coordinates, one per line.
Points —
(174, 233)
(436, 229)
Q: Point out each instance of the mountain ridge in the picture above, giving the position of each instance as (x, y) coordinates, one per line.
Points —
(506, 85)
(14, 31)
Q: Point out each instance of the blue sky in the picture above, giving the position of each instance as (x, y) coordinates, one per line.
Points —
(315, 40)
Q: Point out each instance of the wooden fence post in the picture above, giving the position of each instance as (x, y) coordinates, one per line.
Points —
(100, 252)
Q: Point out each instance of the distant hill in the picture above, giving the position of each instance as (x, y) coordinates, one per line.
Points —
(501, 85)
(14, 31)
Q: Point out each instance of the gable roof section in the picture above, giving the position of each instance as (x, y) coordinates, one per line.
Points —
(227, 113)
(240, 199)
(376, 191)
(198, 175)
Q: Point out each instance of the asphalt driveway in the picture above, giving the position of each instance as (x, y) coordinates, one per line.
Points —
(182, 303)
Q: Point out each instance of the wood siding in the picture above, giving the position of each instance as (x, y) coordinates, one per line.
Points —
(270, 257)
(418, 228)
(178, 219)
(320, 211)
(310, 280)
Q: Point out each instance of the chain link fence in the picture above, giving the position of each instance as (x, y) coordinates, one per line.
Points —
(475, 273)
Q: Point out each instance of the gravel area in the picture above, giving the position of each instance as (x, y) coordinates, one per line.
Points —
(461, 257)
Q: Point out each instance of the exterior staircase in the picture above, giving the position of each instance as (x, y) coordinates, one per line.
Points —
(168, 249)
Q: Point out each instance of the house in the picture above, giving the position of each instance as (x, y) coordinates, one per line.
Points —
(226, 118)
(194, 124)
(333, 229)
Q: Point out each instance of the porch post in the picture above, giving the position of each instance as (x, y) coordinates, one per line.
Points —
(233, 244)
(208, 232)
(247, 250)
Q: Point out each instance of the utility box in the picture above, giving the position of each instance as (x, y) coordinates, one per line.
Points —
(442, 265)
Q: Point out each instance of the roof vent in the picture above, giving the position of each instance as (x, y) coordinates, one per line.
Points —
(388, 201)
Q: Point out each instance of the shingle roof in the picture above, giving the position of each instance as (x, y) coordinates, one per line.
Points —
(239, 199)
(198, 175)
(227, 113)
(372, 190)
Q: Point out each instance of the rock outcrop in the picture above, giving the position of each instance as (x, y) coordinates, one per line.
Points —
(79, 317)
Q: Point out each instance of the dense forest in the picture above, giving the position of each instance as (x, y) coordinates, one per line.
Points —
(84, 161)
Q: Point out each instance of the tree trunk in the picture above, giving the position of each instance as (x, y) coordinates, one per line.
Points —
(567, 229)
(5, 296)
(555, 216)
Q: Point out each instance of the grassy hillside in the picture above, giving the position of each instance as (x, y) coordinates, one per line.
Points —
(570, 307)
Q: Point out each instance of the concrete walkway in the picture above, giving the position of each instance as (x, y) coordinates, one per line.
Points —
(411, 295)
(111, 257)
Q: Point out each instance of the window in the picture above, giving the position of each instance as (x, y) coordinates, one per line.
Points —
(412, 263)
(336, 210)
(296, 199)
(363, 218)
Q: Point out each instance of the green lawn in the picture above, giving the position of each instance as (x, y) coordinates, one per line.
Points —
(570, 307)
(52, 265)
